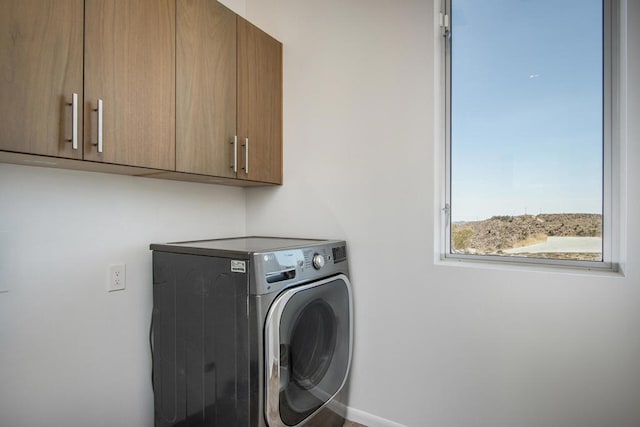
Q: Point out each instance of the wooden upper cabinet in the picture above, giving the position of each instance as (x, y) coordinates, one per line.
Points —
(40, 70)
(259, 104)
(158, 84)
(130, 66)
(206, 88)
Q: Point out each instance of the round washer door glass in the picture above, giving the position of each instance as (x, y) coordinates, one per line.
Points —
(314, 349)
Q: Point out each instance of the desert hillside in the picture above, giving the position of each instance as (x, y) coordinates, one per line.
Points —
(499, 233)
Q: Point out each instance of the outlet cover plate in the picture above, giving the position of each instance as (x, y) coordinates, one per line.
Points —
(117, 278)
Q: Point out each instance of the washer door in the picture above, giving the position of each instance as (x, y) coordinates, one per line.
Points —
(308, 336)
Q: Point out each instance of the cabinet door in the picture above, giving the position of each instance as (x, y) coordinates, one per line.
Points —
(206, 88)
(259, 104)
(41, 67)
(130, 67)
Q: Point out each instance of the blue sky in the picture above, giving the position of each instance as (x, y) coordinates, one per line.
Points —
(526, 107)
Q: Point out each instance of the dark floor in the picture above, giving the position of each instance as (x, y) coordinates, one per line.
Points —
(328, 418)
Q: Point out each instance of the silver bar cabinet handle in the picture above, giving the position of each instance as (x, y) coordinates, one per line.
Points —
(246, 155)
(99, 110)
(234, 166)
(74, 121)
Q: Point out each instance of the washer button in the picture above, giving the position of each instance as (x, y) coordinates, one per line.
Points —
(318, 261)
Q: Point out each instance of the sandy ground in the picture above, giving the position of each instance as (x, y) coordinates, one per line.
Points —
(562, 244)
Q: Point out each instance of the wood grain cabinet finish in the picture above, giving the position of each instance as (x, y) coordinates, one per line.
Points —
(229, 85)
(206, 88)
(177, 80)
(40, 69)
(130, 65)
(259, 104)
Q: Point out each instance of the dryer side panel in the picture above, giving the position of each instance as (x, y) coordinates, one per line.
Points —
(169, 402)
(201, 342)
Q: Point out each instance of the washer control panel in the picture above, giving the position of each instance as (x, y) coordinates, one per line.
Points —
(280, 269)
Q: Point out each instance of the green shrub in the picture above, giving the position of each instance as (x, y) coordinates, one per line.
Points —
(461, 238)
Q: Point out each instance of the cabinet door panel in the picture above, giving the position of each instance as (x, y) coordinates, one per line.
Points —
(130, 65)
(206, 87)
(41, 67)
(259, 103)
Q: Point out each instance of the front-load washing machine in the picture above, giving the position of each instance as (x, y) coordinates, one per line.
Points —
(251, 331)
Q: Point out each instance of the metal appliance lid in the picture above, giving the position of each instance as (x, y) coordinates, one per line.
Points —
(239, 245)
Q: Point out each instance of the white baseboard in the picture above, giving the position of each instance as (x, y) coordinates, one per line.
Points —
(368, 419)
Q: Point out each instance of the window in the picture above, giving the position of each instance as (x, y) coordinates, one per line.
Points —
(528, 93)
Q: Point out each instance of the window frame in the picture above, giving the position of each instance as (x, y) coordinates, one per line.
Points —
(610, 147)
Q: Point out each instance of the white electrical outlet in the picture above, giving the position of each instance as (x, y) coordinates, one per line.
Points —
(117, 277)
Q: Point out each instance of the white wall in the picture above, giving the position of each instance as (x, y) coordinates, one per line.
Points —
(238, 6)
(70, 352)
(436, 345)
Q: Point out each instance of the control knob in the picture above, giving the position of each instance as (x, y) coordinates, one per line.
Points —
(318, 261)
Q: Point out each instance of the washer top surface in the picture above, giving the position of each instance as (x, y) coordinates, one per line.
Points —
(245, 245)
(274, 263)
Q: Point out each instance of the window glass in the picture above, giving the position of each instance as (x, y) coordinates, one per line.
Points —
(526, 125)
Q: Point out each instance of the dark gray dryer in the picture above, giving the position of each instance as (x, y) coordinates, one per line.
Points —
(251, 331)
